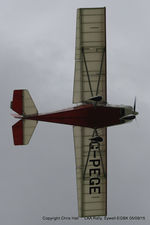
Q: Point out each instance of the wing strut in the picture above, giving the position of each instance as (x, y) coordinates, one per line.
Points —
(95, 139)
(87, 70)
(100, 70)
(101, 65)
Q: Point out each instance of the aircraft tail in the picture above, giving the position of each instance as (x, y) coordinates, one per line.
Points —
(23, 130)
(23, 104)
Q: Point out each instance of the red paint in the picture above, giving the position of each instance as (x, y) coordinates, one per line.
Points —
(17, 103)
(84, 115)
(18, 133)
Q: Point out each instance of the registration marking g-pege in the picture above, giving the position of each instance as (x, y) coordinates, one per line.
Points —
(94, 172)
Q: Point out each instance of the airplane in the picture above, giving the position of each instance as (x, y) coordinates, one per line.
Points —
(89, 118)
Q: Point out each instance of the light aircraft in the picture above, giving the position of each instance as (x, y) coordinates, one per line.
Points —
(90, 118)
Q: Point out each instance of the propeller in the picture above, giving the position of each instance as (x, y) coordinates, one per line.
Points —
(132, 115)
(135, 113)
(134, 105)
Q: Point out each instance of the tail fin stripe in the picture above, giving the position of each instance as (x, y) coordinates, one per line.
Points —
(17, 103)
(23, 104)
(17, 129)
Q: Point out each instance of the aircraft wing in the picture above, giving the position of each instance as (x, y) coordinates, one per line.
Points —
(91, 171)
(90, 81)
(90, 55)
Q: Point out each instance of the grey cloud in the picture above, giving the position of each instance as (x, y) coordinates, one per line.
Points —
(37, 52)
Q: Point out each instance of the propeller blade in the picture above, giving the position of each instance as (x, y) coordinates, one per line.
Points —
(134, 104)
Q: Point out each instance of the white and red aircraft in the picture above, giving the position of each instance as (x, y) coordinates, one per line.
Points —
(90, 119)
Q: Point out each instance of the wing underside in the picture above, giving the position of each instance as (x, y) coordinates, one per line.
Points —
(90, 81)
(91, 171)
(90, 55)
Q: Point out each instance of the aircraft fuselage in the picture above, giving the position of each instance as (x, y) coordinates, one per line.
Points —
(87, 115)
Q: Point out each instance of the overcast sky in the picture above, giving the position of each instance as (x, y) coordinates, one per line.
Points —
(37, 48)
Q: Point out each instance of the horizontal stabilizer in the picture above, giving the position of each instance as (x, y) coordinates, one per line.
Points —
(22, 131)
(22, 103)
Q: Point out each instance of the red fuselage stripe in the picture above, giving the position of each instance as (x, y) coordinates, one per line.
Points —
(84, 115)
